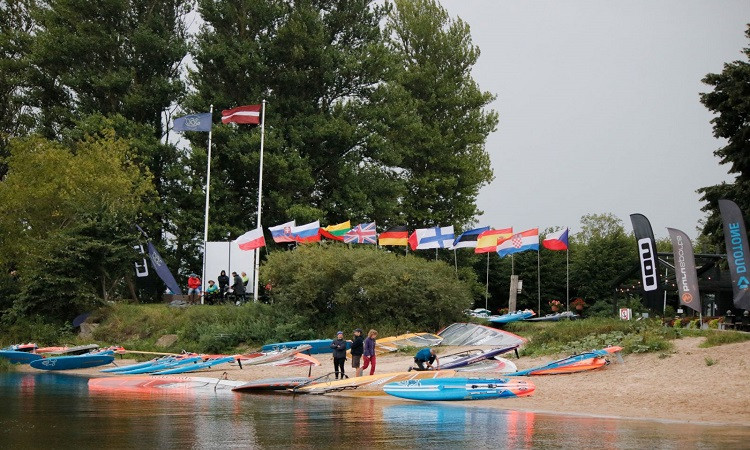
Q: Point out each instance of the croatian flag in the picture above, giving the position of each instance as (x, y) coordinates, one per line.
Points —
(364, 233)
(309, 232)
(468, 239)
(520, 242)
(242, 114)
(557, 240)
(438, 237)
(251, 240)
(283, 232)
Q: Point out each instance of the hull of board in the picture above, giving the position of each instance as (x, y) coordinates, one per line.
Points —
(73, 362)
(512, 317)
(197, 366)
(16, 357)
(370, 381)
(555, 317)
(139, 365)
(576, 363)
(161, 384)
(272, 384)
(316, 346)
(162, 366)
(459, 389)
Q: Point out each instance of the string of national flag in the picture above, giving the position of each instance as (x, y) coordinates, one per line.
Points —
(483, 240)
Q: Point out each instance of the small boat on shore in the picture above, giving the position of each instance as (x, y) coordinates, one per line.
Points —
(512, 317)
(575, 363)
(459, 389)
(19, 357)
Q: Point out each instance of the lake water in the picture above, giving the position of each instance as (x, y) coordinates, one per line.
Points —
(59, 411)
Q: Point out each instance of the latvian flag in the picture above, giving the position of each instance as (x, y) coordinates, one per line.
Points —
(242, 114)
(364, 233)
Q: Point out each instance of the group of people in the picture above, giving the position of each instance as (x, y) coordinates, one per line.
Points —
(363, 350)
(214, 293)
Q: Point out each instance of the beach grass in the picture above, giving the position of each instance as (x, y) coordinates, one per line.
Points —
(714, 338)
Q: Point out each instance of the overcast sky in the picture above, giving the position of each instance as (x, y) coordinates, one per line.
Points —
(599, 106)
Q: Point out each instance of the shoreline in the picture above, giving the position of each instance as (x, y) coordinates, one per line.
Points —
(676, 387)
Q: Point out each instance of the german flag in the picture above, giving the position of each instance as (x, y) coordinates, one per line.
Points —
(394, 236)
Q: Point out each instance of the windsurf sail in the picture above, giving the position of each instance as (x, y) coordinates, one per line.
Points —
(473, 334)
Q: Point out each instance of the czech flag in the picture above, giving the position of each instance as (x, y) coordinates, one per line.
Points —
(557, 240)
(251, 240)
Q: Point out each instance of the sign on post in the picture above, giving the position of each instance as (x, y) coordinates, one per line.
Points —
(626, 313)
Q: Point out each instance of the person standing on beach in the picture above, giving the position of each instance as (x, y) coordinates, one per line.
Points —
(369, 352)
(426, 355)
(339, 354)
(357, 350)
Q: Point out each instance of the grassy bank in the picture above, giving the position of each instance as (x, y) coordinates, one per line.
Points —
(230, 329)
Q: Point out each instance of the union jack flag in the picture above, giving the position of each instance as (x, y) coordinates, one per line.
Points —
(364, 233)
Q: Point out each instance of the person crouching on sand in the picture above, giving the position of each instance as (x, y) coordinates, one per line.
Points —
(369, 352)
(357, 350)
(339, 354)
(426, 355)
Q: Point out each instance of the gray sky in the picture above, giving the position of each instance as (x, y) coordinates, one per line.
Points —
(599, 107)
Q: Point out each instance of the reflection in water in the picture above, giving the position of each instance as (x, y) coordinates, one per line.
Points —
(54, 410)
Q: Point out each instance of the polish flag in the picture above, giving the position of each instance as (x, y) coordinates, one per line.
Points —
(251, 240)
(242, 114)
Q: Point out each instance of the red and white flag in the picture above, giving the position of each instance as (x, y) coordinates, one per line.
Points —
(251, 240)
(242, 114)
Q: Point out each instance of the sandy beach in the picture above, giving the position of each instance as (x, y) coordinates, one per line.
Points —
(676, 386)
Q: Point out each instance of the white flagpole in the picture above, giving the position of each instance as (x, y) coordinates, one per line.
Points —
(567, 276)
(538, 281)
(487, 282)
(205, 218)
(260, 193)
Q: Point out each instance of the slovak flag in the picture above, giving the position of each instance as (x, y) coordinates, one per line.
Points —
(519, 242)
(557, 240)
(251, 240)
(283, 232)
(364, 233)
(309, 232)
(242, 114)
(438, 237)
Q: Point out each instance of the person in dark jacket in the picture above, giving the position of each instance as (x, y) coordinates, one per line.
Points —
(358, 347)
(339, 354)
(239, 288)
(223, 283)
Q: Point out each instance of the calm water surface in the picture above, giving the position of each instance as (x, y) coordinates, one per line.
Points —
(59, 411)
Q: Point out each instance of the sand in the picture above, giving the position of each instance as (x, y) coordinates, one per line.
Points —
(676, 386)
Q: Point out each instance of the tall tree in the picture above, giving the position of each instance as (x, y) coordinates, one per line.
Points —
(15, 44)
(317, 64)
(436, 112)
(730, 101)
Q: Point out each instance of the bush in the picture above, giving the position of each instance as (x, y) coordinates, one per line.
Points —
(333, 287)
(714, 338)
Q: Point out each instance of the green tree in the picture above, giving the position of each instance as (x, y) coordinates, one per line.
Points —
(601, 253)
(68, 222)
(316, 63)
(729, 101)
(15, 44)
(438, 125)
(335, 286)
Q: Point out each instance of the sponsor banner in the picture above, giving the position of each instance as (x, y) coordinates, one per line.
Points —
(652, 288)
(735, 237)
(162, 270)
(685, 273)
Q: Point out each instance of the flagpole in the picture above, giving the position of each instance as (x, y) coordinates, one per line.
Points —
(455, 261)
(487, 282)
(205, 216)
(260, 193)
(567, 277)
(538, 281)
